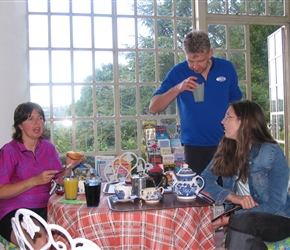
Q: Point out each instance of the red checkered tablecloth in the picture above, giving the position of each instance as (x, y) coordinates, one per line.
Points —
(168, 229)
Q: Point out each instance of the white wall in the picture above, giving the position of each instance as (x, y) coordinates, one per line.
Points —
(13, 63)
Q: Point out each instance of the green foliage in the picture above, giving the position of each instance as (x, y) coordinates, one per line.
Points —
(237, 38)
(275, 7)
(62, 137)
(217, 36)
(145, 98)
(129, 135)
(165, 63)
(147, 67)
(260, 94)
(105, 74)
(259, 52)
(259, 65)
(84, 106)
(184, 8)
(127, 100)
(85, 136)
(216, 6)
(105, 101)
(237, 7)
(106, 135)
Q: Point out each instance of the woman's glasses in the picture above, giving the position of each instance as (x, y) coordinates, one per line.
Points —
(229, 117)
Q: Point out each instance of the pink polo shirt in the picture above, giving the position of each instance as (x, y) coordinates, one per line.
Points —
(18, 164)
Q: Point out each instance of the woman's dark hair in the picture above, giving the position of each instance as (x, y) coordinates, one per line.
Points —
(21, 114)
(231, 157)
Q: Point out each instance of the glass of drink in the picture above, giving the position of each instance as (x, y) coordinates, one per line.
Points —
(198, 93)
(93, 191)
(70, 187)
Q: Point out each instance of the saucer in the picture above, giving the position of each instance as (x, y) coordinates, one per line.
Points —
(131, 198)
(152, 202)
(186, 198)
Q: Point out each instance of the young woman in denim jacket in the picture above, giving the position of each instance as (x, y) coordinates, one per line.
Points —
(255, 176)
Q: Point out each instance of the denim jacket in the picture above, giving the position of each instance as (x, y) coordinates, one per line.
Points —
(268, 176)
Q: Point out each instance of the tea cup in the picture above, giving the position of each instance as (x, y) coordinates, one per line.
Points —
(152, 194)
(123, 192)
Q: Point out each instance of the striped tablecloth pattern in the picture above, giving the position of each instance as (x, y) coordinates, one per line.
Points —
(169, 229)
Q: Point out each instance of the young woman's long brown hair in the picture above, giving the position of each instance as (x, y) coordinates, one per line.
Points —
(231, 157)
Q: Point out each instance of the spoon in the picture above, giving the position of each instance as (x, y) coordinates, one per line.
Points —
(159, 184)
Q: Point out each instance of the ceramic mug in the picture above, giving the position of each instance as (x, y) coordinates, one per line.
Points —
(152, 193)
(123, 192)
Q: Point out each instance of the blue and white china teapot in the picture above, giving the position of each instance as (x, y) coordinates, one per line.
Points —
(186, 186)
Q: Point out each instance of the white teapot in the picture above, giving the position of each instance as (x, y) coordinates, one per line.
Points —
(186, 186)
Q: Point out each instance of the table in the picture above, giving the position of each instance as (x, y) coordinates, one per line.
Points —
(170, 229)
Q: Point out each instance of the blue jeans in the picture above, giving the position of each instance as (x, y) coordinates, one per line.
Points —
(250, 230)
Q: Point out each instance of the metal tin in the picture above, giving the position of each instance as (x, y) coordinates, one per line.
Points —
(138, 183)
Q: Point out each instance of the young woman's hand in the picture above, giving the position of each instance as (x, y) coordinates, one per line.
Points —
(246, 201)
(223, 221)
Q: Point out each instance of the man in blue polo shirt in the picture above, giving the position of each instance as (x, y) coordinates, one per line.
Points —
(200, 122)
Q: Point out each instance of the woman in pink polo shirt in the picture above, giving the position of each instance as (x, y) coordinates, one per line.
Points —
(28, 163)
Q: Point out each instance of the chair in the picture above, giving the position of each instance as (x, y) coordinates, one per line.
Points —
(278, 245)
(53, 187)
(124, 166)
(7, 245)
(27, 224)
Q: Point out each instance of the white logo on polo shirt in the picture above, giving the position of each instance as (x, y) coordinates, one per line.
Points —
(221, 79)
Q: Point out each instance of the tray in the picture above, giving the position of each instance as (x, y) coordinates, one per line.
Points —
(110, 186)
(168, 201)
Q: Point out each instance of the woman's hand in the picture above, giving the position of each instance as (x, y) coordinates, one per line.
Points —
(73, 164)
(14, 189)
(246, 201)
(44, 177)
(74, 158)
(221, 222)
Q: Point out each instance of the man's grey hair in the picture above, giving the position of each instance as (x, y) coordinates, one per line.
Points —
(196, 42)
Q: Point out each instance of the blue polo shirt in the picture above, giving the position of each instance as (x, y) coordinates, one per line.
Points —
(200, 123)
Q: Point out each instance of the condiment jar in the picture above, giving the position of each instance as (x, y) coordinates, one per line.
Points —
(138, 182)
